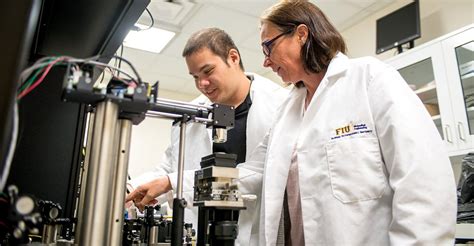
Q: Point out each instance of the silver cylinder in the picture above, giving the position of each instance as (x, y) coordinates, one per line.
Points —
(182, 138)
(95, 226)
(220, 135)
(79, 211)
(117, 211)
(49, 234)
(153, 239)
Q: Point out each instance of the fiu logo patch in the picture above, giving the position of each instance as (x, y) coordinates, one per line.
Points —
(350, 129)
(344, 130)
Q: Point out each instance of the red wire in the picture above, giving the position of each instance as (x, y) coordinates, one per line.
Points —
(46, 71)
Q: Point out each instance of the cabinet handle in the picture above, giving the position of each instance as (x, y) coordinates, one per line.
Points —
(461, 131)
(447, 133)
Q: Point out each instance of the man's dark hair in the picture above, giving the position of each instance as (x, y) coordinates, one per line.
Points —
(216, 40)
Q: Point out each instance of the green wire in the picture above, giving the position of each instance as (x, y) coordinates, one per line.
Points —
(30, 81)
(33, 78)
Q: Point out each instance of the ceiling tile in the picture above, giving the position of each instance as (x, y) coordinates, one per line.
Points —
(139, 58)
(246, 7)
(175, 48)
(237, 25)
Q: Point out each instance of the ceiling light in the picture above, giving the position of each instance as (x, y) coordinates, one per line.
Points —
(149, 39)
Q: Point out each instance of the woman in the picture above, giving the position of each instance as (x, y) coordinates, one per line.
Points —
(354, 158)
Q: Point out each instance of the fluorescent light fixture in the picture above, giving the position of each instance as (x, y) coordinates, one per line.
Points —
(153, 39)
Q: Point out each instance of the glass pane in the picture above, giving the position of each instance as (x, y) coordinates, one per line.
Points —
(420, 77)
(465, 57)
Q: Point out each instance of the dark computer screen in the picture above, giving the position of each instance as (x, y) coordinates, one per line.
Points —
(398, 27)
(18, 22)
(48, 153)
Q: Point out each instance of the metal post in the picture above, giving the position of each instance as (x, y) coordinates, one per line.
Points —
(120, 182)
(83, 176)
(153, 238)
(95, 226)
(49, 234)
(182, 140)
(179, 203)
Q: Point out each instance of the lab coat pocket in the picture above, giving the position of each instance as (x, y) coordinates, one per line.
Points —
(355, 169)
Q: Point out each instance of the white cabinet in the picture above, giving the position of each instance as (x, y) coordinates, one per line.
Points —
(442, 74)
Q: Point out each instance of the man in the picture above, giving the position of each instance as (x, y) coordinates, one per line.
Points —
(215, 64)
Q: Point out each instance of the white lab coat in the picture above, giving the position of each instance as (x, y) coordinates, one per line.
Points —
(266, 97)
(372, 166)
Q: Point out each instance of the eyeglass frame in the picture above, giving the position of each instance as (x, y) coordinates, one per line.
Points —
(267, 44)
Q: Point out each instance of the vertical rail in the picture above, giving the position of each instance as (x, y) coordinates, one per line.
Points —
(179, 203)
(182, 140)
(117, 211)
(95, 224)
(83, 177)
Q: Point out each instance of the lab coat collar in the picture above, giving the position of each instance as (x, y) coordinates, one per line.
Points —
(338, 65)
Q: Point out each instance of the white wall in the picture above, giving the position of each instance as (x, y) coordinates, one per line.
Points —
(438, 17)
(151, 137)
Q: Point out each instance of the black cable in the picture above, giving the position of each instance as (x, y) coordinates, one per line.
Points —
(131, 66)
(152, 21)
(119, 61)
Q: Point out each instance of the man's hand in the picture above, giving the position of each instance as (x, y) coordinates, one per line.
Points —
(145, 194)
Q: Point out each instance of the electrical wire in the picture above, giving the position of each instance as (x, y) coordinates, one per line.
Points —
(152, 21)
(104, 65)
(11, 151)
(120, 61)
(46, 71)
(44, 65)
(30, 81)
(131, 66)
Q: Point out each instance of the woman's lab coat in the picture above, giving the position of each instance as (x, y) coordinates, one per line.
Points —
(372, 166)
(266, 97)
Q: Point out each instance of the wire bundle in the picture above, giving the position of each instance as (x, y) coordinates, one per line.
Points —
(31, 77)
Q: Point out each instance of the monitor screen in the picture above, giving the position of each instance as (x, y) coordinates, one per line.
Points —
(18, 24)
(48, 154)
(398, 27)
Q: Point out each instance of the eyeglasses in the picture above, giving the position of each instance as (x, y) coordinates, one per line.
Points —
(267, 45)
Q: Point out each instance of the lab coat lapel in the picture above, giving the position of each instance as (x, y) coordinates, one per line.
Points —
(337, 67)
(278, 162)
(279, 159)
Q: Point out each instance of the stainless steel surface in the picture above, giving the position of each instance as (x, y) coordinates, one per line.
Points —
(154, 114)
(95, 228)
(220, 135)
(153, 235)
(205, 120)
(79, 212)
(120, 179)
(183, 103)
(182, 138)
(160, 115)
(49, 234)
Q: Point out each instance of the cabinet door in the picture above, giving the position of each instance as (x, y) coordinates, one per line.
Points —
(423, 70)
(459, 61)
